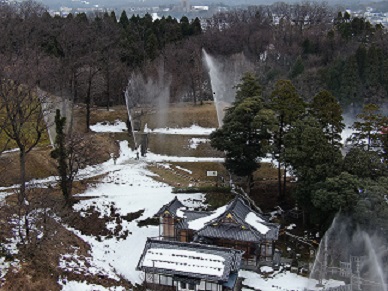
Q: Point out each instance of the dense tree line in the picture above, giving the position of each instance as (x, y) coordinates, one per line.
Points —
(304, 138)
(85, 58)
(89, 58)
(311, 45)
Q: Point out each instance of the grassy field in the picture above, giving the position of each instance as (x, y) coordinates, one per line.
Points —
(177, 176)
(39, 164)
(181, 115)
(179, 145)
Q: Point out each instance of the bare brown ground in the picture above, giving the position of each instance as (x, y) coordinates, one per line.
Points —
(40, 258)
(39, 164)
(182, 115)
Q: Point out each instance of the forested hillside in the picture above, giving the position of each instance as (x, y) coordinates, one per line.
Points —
(89, 58)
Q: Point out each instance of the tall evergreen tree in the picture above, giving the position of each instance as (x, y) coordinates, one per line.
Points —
(288, 107)
(124, 22)
(245, 133)
(328, 112)
(249, 87)
(367, 127)
(350, 87)
(312, 157)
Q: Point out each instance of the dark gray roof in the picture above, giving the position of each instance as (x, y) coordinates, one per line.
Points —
(231, 264)
(239, 208)
(171, 207)
(190, 215)
(235, 232)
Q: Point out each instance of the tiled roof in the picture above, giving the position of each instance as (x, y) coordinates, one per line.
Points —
(238, 209)
(171, 207)
(190, 215)
(189, 260)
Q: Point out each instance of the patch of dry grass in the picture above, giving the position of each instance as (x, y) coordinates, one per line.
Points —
(178, 145)
(115, 113)
(266, 171)
(39, 164)
(182, 115)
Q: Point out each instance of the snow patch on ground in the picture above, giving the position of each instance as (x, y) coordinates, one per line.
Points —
(3, 195)
(195, 142)
(75, 264)
(192, 130)
(284, 281)
(11, 151)
(151, 157)
(266, 269)
(183, 169)
(84, 286)
(10, 247)
(117, 126)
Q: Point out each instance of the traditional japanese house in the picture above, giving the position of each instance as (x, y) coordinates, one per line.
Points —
(240, 227)
(172, 265)
(236, 225)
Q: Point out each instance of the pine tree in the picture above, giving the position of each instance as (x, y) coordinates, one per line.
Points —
(367, 128)
(349, 90)
(249, 87)
(124, 22)
(288, 107)
(328, 112)
(245, 133)
(297, 68)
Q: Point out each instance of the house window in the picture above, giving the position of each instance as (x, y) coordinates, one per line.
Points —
(208, 286)
(165, 280)
(266, 251)
(186, 286)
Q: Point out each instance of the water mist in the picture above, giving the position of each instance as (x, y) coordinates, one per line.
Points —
(351, 254)
(224, 76)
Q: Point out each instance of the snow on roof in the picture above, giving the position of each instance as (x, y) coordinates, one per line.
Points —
(184, 261)
(189, 260)
(199, 223)
(256, 222)
(180, 213)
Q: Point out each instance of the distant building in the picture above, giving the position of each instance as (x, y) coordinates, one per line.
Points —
(185, 5)
(200, 8)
